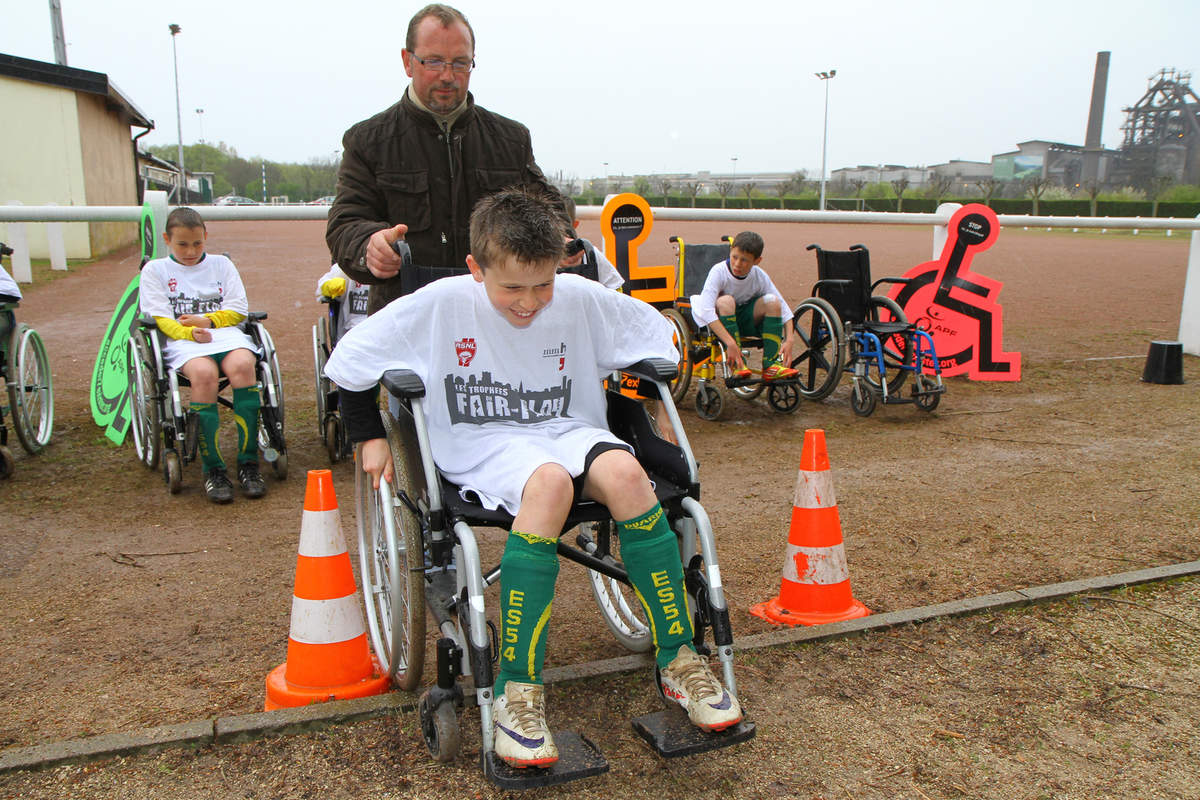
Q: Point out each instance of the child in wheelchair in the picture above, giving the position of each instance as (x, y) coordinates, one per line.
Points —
(513, 358)
(739, 298)
(350, 296)
(197, 300)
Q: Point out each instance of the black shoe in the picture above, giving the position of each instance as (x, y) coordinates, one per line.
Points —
(253, 485)
(217, 485)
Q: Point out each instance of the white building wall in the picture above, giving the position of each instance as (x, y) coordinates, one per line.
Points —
(41, 161)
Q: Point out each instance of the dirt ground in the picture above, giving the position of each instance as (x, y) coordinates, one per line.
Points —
(125, 607)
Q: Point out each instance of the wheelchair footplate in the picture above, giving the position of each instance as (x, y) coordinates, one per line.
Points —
(672, 735)
(578, 758)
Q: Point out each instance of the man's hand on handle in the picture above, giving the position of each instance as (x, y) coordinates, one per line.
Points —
(382, 260)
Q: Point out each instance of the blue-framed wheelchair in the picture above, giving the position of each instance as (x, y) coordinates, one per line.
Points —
(845, 326)
(25, 369)
(165, 432)
(701, 352)
(419, 556)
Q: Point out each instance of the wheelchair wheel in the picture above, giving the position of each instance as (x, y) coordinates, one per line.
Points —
(333, 439)
(172, 471)
(7, 462)
(619, 607)
(784, 397)
(926, 402)
(683, 343)
(392, 563)
(821, 355)
(147, 421)
(863, 399)
(30, 389)
(897, 350)
(439, 728)
(322, 384)
(270, 416)
(709, 402)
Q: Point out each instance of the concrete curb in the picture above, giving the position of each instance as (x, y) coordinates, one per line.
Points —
(247, 727)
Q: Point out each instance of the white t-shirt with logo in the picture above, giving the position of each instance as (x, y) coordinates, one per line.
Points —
(721, 280)
(503, 400)
(353, 301)
(170, 289)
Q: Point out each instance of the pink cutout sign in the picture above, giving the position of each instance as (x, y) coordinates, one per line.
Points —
(958, 307)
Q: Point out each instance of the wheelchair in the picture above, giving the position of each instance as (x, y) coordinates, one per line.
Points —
(844, 326)
(701, 352)
(165, 431)
(25, 369)
(418, 553)
(330, 426)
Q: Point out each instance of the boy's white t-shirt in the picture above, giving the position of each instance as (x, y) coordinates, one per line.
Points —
(503, 400)
(353, 300)
(170, 289)
(721, 280)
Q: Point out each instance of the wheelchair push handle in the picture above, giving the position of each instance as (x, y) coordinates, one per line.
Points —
(401, 248)
(5, 250)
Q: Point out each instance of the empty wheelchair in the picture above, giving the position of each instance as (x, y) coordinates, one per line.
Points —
(701, 352)
(25, 369)
(846, 327)
(418, 554)
(165, 432)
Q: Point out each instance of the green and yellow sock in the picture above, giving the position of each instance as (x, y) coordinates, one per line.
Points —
(651, 555)
(772, 335)
(528, 570)
(731, 324)
(206, 417)
(245, 413)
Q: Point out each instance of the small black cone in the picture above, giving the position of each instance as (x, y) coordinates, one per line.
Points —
(1164, 364)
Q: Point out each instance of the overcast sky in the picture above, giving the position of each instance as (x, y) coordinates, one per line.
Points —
(646, 86)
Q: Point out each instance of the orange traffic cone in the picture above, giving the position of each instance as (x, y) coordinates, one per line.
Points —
(816, 580)
(327, 657)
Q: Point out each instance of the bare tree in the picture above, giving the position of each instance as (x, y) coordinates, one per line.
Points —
(748, 190)
(569, 187)
(641, 185)
(1092, 187)
(857, 185)
(782, 189)
(664, 185)
(693, 189)
(939, 187)
(723, 189)
(1158, 187)
(1035, 186)
(900, 186)
(989, 187)
(599, 187)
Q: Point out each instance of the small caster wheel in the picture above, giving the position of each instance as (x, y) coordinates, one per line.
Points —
(784, 397)
(439, 727)
(709, 403)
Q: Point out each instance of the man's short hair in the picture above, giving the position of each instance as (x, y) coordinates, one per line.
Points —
(519, 224)
(444, 14)
(749, 242)
(184, 217)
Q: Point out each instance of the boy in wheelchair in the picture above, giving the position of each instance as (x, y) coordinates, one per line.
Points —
(335, 286)
(513, 357)
(738, 298)
(197, 300)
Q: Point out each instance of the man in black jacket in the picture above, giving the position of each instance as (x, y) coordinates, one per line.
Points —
(416, 170)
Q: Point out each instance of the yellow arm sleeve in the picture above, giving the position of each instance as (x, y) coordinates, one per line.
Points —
(173, 329)
(225, 318)
(334, 287)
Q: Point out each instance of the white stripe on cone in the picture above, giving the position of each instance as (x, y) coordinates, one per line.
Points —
(822, 565)
(814, 490)
(321, 534)
(326, 621)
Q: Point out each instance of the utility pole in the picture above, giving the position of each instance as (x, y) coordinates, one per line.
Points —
(826, 77)
(56, 29)
(180, 195)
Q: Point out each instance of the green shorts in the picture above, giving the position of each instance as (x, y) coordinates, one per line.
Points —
(745, 318)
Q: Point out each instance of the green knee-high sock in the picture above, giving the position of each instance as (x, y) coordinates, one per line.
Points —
(245, 413)
(651, 557)
(731, 325)
(210, 453)
(772, 334)
(528, 570)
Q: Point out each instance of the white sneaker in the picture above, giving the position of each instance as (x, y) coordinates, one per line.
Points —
(521, 736)
(688, 681)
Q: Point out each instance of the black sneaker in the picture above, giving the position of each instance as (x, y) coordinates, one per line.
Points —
(217, 485)
(253, 485)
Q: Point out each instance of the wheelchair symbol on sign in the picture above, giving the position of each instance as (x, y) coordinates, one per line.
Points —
(957, 307)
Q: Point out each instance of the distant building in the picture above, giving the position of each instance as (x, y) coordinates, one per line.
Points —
(66, 140)
(881, 173)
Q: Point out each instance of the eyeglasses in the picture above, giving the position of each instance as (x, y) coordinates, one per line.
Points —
(438, 64)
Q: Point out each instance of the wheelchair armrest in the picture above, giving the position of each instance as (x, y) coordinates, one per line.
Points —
(831, 282)
(901, 281)
(145, 320)
(655, 369)
(403, 383)
(256, 316)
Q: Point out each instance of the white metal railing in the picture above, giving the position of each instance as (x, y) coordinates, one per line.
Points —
(1189, 319)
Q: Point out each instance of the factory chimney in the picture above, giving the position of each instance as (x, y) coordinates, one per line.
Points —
(1091, 145)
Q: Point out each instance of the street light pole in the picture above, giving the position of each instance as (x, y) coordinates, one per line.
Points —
(175, 29)
(826, 77)
(200, 119)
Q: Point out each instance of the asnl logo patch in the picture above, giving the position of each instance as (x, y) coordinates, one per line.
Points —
(465, 349)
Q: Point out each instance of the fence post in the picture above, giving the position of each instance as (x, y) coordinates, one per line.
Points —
(18, 240)
(1189, 315)
(942, 231)
(55, 244)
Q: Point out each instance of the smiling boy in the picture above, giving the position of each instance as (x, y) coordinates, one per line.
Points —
(512, 358)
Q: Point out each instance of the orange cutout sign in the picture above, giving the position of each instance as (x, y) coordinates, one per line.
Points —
(625, 224)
